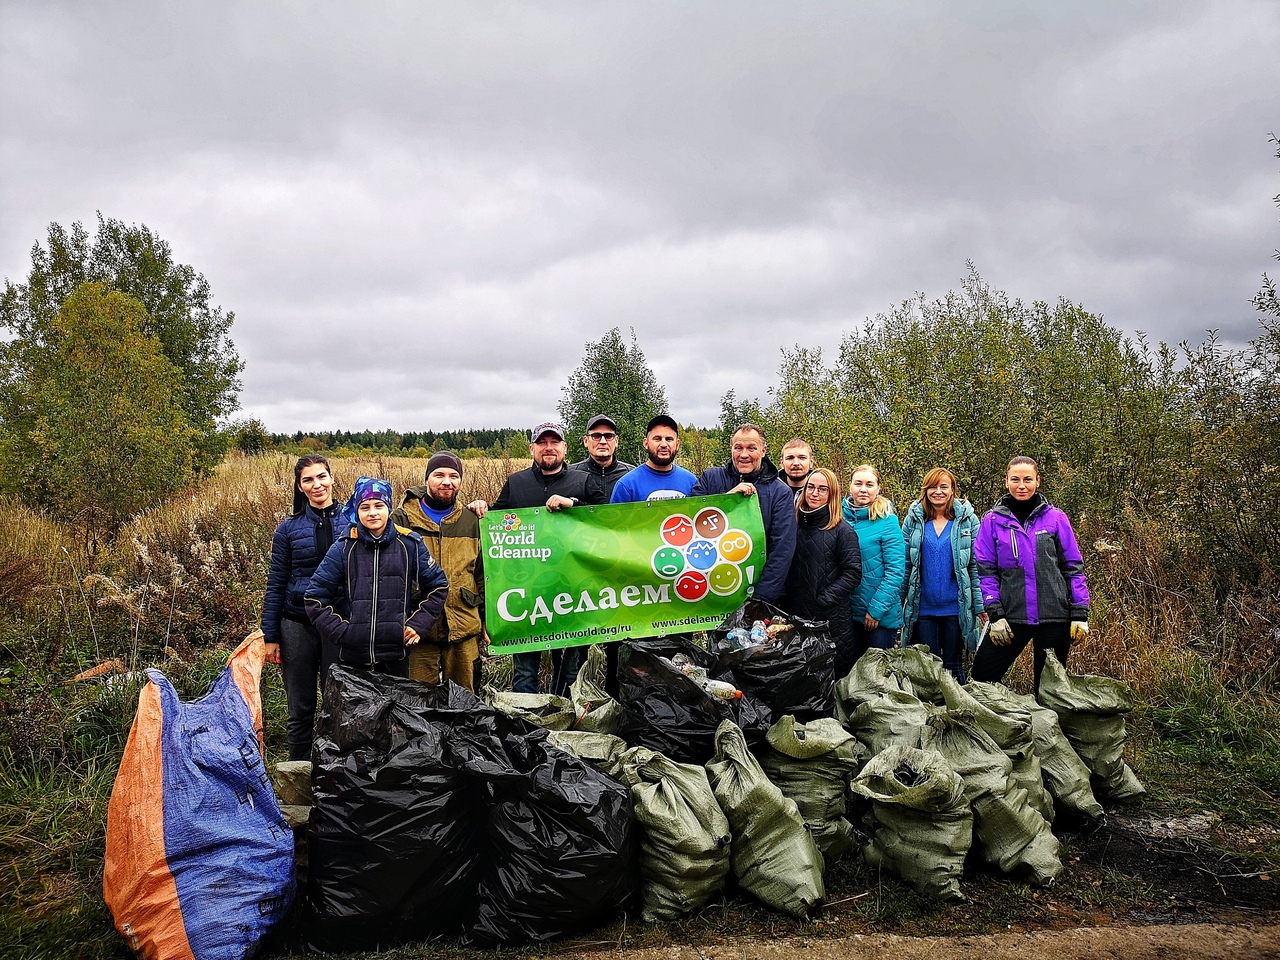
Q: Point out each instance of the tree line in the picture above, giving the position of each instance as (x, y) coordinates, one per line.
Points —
(474, 442)
(118, 376)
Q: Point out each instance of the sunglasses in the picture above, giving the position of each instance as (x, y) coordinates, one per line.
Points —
(601, 436)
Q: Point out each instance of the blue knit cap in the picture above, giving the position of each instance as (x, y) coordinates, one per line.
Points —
(367, 488)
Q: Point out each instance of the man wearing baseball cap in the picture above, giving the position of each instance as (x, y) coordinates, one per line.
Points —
(602, 468)
(548, 482)
(452, 535)
(660, 477)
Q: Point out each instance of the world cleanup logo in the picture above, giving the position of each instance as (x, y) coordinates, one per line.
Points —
(701, 554)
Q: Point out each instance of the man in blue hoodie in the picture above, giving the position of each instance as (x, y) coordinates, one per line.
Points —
(751, 473)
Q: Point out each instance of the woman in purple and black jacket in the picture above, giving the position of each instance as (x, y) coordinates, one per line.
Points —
(1032, 577)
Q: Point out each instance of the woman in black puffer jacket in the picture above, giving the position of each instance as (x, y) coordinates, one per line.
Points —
(827, 566)
(297, 548)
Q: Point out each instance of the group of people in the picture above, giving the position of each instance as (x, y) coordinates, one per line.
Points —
(401, 589)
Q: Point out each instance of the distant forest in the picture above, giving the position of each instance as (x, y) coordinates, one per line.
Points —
(507, 441)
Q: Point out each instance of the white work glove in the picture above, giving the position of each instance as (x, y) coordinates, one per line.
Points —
(1079, 630)
(1001, 632)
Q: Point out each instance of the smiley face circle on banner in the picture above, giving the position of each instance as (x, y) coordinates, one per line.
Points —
(691, 586)
(677, 530)
(668, 562)
(710, 523)
(701, 554)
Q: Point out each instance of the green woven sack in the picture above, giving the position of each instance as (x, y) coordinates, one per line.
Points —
(891, 718)
(1064, 773)
(922, 669)
(594, 710)
(773, 856)
(871, 677)
(601, 749)
(1011, 729)
(811, 764)
(544, 709)
(1009, 833)
(1091, 712)
(924, 826)
(684, 840)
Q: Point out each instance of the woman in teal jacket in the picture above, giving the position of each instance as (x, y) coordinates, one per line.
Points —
(943, 608)
(877, 603)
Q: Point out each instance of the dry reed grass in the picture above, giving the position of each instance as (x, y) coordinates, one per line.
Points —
(189, 574)
(183, 576)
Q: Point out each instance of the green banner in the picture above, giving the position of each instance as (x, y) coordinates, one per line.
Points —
(594, 574)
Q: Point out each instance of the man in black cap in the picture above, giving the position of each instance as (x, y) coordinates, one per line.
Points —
(550, 483)
(602, 468)
(452, 535)
(659, 477)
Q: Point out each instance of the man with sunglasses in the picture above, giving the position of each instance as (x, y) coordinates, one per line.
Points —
(602, 468)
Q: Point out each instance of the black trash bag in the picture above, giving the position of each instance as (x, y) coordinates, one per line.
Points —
(794, 674)
(668, 712)
(396, 831)
(562, 846)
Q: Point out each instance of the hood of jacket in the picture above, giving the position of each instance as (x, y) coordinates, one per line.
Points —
(767, 473)
(814, 518)
(852, 513)
(1004, 505)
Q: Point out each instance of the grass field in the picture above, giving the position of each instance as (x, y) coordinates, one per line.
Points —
(182, 584)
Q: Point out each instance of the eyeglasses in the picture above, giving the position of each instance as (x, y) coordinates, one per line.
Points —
(817, 489)
(601, 436)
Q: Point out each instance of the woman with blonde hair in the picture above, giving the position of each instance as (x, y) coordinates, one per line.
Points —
(877, 603)
(827, 564)
(943, 605)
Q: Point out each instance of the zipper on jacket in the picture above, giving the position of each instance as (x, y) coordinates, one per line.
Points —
(1013, 542)
(373, 618)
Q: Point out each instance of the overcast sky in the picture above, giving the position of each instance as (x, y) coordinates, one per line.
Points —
(420, 213)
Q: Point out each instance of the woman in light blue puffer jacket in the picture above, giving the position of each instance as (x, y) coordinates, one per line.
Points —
(877, 603)
(943, 603)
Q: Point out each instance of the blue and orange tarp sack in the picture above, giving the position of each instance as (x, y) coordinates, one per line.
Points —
(199, 860)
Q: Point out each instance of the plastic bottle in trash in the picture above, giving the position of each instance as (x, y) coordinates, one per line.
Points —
(759, 633)
(739, 638)
(720, 688)
(717, 688)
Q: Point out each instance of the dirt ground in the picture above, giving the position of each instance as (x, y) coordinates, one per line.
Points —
(1160, 942)
(1141, 886)
(1187, 897)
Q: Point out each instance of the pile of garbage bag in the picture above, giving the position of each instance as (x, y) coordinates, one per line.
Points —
(434, 814)
(517, 819)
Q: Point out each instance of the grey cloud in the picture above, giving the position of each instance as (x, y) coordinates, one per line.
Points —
(483, 188)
